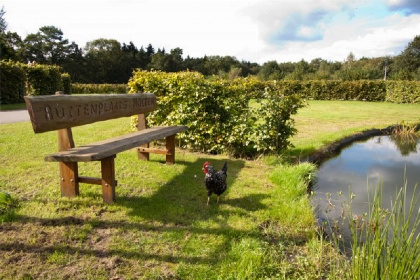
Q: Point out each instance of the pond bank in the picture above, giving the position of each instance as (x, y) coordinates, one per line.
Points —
(335, 148)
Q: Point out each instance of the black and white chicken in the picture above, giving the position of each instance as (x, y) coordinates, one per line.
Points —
(215, 181)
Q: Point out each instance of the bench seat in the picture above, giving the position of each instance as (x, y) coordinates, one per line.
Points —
(105, 148)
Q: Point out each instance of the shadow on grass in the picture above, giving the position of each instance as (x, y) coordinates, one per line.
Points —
(182, 200)
(178, 206)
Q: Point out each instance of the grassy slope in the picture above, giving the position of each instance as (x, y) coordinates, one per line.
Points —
(159, 226)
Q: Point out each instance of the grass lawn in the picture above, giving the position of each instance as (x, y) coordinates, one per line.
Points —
(159, 226)
(323, 122)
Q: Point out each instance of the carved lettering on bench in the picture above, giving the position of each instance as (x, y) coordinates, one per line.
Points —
(93, 109)
(140, 102)
(55, 112)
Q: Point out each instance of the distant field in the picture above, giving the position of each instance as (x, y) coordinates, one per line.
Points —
(323, 122)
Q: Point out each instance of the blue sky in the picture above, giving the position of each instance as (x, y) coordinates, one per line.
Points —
(253, 30)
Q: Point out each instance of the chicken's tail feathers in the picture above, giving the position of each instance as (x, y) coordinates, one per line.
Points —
(224, 168)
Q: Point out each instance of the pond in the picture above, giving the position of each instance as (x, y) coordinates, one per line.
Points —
(380, 162)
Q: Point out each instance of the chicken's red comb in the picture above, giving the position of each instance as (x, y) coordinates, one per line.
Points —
(206, 163)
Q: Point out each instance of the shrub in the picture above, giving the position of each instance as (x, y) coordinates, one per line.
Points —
(217, 111)
(99, 88)
(66, 83)
(43, 79)
(13, 79)
(403, 91)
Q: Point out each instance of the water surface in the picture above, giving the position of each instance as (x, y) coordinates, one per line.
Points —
(361, 168)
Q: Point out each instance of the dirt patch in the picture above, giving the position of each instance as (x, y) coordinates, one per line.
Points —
(59, 247)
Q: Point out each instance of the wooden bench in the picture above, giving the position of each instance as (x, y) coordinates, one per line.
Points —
(62, 112)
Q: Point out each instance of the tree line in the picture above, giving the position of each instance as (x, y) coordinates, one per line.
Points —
(109, 61)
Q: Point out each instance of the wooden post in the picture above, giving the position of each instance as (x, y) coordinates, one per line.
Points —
(69, 173)
(142, 124)
(108, 179)
(170, 149)
(69, 180)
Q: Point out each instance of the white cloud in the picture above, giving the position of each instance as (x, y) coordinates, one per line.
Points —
(364, 39)
(254, 30)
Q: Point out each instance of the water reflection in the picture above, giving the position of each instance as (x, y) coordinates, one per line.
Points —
(405, 143)
(380, 161)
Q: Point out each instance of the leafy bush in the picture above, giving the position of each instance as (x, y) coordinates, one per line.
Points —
(218, 113)
(366, 90)
(34, 79)
(403, 91)
(13, 80)
(99, 88)
(43, 79)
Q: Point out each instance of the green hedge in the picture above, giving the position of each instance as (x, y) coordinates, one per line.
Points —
(12, 81)
(99, 88)
(366, 90)
(18, 79)
(403, 91)
(363, 90)
(43, 79)
(345, 90)
(218, 112)
(66, 83)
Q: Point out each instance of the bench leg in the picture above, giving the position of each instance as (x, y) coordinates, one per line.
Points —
(108, 179)
(69, 179)
(143, 155)
(170, 148)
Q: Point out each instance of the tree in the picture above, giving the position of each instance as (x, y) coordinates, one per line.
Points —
(130, 48)
(407, 64)
(3, 23)
(270, 71)
(176, 62)
(302, 69)
(47, 46)
(12, 46)
(159, 61)
(103, 59)
(75, 64)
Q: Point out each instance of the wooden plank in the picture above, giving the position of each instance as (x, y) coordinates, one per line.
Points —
(53, 112)
(113, 146)
(170, 147)
(65, 139)
(108, 179)
(90, 180)
(141, 125)
(152, 150)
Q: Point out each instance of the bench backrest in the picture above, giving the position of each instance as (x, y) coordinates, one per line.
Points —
(54, 112)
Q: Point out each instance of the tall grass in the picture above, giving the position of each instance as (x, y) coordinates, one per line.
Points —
(384, 242)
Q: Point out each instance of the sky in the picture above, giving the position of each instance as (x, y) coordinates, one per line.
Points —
(250, 30)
